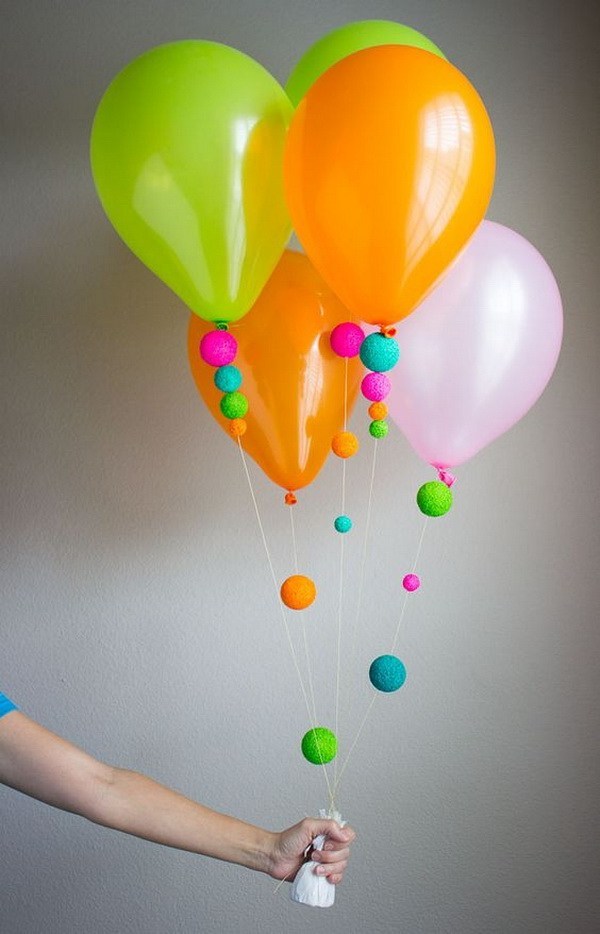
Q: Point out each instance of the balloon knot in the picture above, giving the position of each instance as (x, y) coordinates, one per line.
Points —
(446, 477)
(221, 326)
(290, 499)
(387, 331)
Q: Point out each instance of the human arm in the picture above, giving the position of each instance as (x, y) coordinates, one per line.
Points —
(41, 764)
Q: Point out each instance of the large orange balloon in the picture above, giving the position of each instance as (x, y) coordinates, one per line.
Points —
(389, 168)
(293, 380)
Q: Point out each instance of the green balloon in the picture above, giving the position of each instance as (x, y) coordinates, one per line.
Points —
(353, 37)
(187, 153)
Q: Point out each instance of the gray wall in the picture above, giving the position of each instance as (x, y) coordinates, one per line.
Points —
(139, 619)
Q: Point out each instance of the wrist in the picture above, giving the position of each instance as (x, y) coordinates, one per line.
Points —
(264, 854)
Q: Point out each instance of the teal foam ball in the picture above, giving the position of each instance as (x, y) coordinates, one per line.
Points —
(379, 428)
(228, 378)
(234, 405)
(379, 353)
(343, 524)
(319, 745)
(387, 673)
(434, 498)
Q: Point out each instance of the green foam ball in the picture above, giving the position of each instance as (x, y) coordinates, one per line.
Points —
(234, 405)
(319, 745)
(434, 498)
(379, 428)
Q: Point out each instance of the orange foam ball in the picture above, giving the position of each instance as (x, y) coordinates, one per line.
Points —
(237, 427)
(344, 444)
(378, 411)
(298, 592)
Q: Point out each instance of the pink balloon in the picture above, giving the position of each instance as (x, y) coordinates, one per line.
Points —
(479, 351)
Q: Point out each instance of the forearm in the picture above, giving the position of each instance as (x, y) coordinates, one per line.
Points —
(39, 763)
(137, 805)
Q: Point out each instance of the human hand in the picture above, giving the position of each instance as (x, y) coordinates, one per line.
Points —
(289, 850)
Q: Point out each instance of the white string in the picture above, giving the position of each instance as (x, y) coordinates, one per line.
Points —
(370, 707)
(341, 586)
(291, 509)
(356, 739)
(283, 615)
(363, 563)
(407, 594)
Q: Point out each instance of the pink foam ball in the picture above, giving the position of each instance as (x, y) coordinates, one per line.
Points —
(411, 582)
(375, 387)
(218, 348)
(346, 339)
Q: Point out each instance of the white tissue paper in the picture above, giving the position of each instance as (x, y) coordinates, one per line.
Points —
(308, 888)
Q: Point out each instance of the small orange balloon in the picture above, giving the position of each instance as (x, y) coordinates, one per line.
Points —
(389, 168)
(293, 380)
(298, 592)
(344, 444)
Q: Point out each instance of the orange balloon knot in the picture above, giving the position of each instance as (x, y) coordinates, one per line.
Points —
(387, 331)
(446, 477)
(290, 499)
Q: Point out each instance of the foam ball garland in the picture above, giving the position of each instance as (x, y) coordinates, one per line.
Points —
(234, 405)
(344, 444)
(319, 745)
(346, 339)
(298, 592)
(387, 673)
(375, 387)
(378, 428)
(218, 348)
(379, 352)
(343, 524)
(228, 378)
(411, 582)
(434, 498)
(378, 411)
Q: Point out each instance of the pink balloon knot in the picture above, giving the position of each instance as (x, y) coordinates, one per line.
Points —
(446, 477)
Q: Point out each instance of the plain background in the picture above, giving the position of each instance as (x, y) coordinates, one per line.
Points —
(139, 619)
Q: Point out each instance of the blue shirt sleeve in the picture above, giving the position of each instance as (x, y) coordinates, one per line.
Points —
(6, 705)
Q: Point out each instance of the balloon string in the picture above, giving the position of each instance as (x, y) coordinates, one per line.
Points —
(407, 594)
(283, 615)
(337, 780)
(339, 628)
(345, 393)
(294, 546)
(363, 559)
(354, 744)
(311, 685)
(341, 588)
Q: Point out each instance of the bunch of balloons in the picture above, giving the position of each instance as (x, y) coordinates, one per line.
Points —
(380, 154)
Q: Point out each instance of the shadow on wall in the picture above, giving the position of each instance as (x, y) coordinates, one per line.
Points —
(105, 436)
